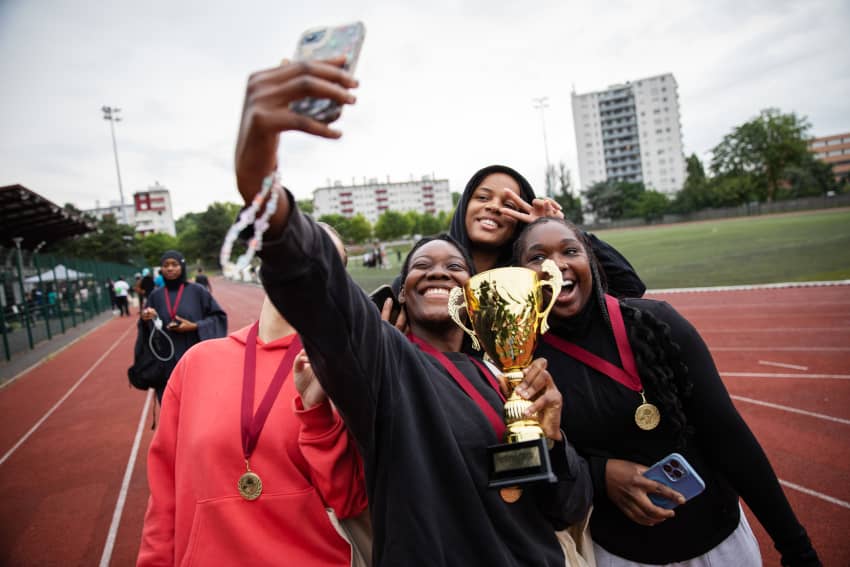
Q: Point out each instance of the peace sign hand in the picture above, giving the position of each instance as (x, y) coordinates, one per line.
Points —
(528, 213)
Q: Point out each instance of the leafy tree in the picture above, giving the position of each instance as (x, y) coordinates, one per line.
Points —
(111, 242)
(357, 229)
(762, 149)
(338, 221)
(613, 200)
(563, 195)
(429, 224)
(414, 220)
(306, 206)
(811, 178)
(455, 198)
(212, 226)
(152, 246)
(391, 225)
(695, 193)
(651, 205)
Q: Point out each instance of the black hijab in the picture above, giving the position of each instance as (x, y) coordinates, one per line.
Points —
(181, 279)
(457, 228)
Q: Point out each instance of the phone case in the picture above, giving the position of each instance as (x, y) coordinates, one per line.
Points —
(324, 43)
(674, 471)
(380, 295)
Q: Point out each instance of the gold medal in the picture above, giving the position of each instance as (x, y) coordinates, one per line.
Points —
(250, 485)
(510, 494)
(647, 415)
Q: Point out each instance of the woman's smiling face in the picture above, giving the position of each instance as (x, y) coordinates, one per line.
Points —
(485, 225)
(434, 269)
(555, 241)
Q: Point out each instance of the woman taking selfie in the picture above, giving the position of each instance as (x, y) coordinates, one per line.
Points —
(422, 413)
(638, 384)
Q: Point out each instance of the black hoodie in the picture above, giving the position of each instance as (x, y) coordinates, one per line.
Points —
(621, 277)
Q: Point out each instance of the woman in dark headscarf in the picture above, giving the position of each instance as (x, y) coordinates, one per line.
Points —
(188, 312)
(488, 220)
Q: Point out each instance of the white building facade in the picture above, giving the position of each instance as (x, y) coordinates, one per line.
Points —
(153, 211)
(372, 199)
(631, 132)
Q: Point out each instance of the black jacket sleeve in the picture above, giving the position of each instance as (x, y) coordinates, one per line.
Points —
(621, 277)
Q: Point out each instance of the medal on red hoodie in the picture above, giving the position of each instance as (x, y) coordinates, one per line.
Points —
(250, 484)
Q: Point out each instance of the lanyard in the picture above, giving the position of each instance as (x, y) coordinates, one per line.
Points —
(252, 425)
(628, 375)
(492, 416)
(172, 313)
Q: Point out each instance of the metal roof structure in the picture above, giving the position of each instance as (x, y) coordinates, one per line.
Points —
(26, 214)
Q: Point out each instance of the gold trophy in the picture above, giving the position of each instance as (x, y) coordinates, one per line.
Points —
(504, 308)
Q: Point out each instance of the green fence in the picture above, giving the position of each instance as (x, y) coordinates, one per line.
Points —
(42, 295)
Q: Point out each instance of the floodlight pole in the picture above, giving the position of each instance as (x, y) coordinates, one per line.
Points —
(110, 113)
(542, 103)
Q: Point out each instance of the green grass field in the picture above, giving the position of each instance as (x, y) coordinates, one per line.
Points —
(809, 246)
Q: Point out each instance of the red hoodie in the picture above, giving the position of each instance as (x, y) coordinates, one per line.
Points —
(306, 459)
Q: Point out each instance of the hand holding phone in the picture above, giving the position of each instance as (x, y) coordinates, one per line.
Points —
(328, 43)
(674, 471)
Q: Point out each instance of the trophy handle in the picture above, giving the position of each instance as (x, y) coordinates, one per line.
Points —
(456, 301)
(555, 282)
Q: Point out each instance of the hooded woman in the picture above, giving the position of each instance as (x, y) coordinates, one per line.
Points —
(497, 204)
(188, 312)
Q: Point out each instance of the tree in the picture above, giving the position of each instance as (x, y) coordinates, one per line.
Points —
(153, 245)
(430, 224)
(563, 195)
(613, 200)
(695, 193)
(212, 226)
(391, 225)
(306, 206)
(357, 229)
(110, 242)
(651, 205)
(455, 198)
(763, 148)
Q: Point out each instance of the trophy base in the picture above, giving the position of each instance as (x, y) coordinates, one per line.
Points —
(513, 464)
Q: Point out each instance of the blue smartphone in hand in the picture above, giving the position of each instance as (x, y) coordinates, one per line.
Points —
(674, 471)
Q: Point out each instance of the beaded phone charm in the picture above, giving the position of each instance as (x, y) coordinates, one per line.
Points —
(247, 217)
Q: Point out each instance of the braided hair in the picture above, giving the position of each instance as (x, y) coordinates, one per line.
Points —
(658, 357)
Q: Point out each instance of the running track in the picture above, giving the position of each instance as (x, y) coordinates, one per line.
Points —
(72, 494)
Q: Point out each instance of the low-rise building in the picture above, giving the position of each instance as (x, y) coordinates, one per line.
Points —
(372, 198)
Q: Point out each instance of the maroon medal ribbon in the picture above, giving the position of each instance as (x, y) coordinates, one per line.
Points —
(173, 312)
(252, 424)
(628, 375)
(492, 416)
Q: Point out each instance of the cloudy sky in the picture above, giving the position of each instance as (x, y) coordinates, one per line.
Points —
(446, 86)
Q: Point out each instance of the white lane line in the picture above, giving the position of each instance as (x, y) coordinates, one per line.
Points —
(786, 375)
(70, 391)
(783, 365)
(792, 410)
(814, 493)
(125, 486)
(783, 285)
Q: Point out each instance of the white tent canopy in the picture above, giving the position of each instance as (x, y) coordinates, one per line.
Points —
(61, 273)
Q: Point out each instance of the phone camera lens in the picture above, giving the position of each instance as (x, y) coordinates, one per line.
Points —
(675, 464)
(313, 37)
(668, 469)
(677, 473)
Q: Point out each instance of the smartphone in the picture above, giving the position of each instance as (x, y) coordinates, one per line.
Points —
(325, 43)
(674, 471)
(380, 296)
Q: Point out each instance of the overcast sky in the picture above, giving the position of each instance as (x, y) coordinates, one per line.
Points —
(446, 86)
